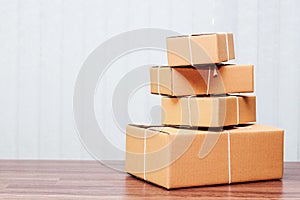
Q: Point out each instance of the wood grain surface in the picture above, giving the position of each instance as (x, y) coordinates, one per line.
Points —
(91, 180)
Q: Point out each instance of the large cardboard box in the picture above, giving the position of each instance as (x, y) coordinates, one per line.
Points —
(220, 79)
(208, 111)
(175, 158)
(200, 49)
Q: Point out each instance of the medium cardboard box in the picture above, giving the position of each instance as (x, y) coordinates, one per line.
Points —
(175, 158)
(220, 79)
(200, 49)
(208, 111)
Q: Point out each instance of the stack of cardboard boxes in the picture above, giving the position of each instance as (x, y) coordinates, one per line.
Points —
(208, 135)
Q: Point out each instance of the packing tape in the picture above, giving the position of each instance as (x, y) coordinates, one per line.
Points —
(229, 156)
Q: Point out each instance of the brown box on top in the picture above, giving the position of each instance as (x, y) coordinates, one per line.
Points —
(208, 111)
(221, 79)
(175, 158)
(200, 49)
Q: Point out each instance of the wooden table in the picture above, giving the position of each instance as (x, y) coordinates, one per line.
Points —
(91, 180)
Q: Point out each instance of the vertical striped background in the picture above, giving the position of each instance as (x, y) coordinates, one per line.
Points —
(43, 44)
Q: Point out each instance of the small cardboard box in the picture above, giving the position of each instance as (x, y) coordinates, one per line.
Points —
(220, 79)
(208, 111)
(200, 49)
(175, 158)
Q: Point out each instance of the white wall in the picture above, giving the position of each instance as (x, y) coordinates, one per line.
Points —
(43, 44)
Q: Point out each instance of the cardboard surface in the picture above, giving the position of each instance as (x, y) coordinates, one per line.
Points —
(223, 79)
(175, 158)
(200, 49)
(208, 111)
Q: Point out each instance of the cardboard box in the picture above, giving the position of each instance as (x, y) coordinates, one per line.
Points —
(220, 79)
(208, 111)
(200, 49)
(175, 158)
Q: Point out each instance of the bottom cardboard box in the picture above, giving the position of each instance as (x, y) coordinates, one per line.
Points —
(184, 157)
